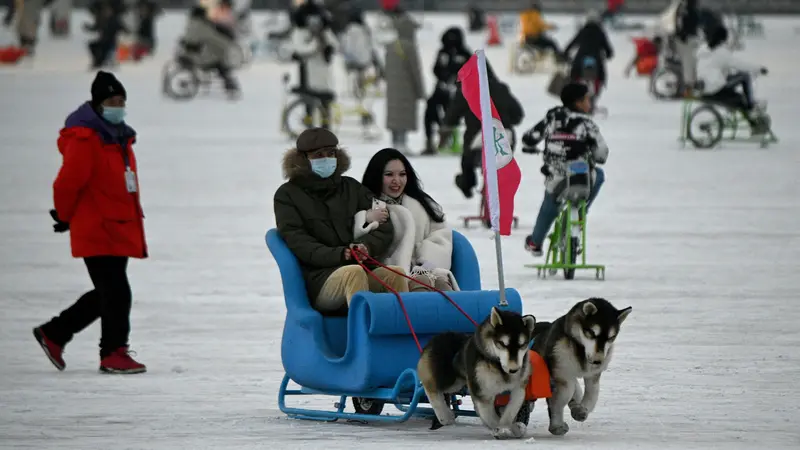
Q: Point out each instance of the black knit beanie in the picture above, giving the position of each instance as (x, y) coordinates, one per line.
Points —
(105, 86)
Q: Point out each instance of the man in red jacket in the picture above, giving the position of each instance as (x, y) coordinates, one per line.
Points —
(96, 196)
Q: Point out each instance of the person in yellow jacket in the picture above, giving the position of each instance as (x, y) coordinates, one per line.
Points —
(534, 28)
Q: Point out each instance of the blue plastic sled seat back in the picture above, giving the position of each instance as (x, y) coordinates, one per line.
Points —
(373, 345)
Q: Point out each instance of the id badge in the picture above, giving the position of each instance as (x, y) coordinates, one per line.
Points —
(130, 180)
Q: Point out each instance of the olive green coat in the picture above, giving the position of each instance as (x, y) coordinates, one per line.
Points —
(315, 217)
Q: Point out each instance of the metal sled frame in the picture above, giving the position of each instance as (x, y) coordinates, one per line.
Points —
(559, 252)
(731, 125)
(404, 399)
(483, 214)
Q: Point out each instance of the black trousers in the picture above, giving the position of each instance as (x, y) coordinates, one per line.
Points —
(110, 300)
(102, 50)
(435, 110)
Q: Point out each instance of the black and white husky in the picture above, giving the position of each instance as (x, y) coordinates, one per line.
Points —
(490, 362)
(577, 345)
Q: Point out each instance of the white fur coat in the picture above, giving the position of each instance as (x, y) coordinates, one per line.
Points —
(417, 239)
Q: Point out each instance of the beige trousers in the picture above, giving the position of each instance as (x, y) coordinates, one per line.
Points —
(346, 281)
(439, 282)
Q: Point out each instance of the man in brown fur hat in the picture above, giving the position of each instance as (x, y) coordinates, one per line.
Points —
(315, 213)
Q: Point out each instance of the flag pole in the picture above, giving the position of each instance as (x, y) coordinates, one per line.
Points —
(490, 167)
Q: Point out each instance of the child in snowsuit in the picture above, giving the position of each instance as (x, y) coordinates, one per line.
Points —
(453, 54)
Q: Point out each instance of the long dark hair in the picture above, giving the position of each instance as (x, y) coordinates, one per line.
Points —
(373, 180)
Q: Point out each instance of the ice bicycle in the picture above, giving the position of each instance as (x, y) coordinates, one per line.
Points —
(370, 355)
(310, 111)
(568, 238)
(707, 121)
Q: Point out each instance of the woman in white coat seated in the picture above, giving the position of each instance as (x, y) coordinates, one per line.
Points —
(423, 243)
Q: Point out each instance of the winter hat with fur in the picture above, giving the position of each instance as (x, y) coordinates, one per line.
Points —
(315, 139)
(105, 86)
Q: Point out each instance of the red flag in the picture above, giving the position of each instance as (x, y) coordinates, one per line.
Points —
(508, 172)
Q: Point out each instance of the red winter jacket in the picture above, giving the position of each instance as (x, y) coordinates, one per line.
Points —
(90, 191)
(614, 5)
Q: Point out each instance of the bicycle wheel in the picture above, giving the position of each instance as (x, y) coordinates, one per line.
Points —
(180, 82)
(705, 127)
(665, 83)
(302, 113)
(573, 242)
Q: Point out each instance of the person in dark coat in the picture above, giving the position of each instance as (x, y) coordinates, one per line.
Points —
(96, 196)
(108, 24)
(476, 18)
(687, 27)
(511, 114)
(453, 54)
(147, 11)
(315, 213)
(590, 42)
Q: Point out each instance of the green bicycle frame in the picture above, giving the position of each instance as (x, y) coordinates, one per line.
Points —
(559, 251)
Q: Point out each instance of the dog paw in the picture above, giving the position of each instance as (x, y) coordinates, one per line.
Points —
(502, 433)
(579, 413)
(447, 418)
(559, 430)
(518, 429)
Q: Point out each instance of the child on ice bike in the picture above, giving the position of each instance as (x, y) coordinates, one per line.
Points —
(570, 135)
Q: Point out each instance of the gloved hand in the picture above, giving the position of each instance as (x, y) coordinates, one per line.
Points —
(530, 150)
(59, 226)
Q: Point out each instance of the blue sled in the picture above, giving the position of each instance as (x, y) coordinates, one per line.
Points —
(370, 355)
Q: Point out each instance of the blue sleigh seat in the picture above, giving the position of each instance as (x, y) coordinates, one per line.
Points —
(371, 347)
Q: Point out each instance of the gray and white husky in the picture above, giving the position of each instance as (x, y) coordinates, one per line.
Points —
(490, 362)
(577, 345)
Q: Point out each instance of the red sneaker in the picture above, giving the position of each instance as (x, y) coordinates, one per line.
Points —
(120, 361)
(51, 349)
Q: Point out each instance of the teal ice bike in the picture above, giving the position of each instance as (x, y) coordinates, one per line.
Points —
(568, 239)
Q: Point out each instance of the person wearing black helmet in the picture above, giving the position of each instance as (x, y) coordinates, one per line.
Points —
(569, 135)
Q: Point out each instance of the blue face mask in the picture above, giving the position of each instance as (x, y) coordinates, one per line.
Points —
(324, 167)
(114, 114)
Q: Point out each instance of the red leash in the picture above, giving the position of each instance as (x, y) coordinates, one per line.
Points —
(360, 256)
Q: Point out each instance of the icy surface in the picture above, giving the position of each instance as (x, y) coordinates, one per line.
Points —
(702, 244)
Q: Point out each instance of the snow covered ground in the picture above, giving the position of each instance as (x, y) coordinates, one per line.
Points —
(702, 244)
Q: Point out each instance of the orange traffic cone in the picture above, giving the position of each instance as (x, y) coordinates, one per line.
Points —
(494, 32)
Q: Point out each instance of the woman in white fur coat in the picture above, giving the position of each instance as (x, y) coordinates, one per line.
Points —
(423, 243)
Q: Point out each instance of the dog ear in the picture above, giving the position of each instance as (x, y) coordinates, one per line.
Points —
(530, 322)
(495, 318)
(623, 313)
(589, 308)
